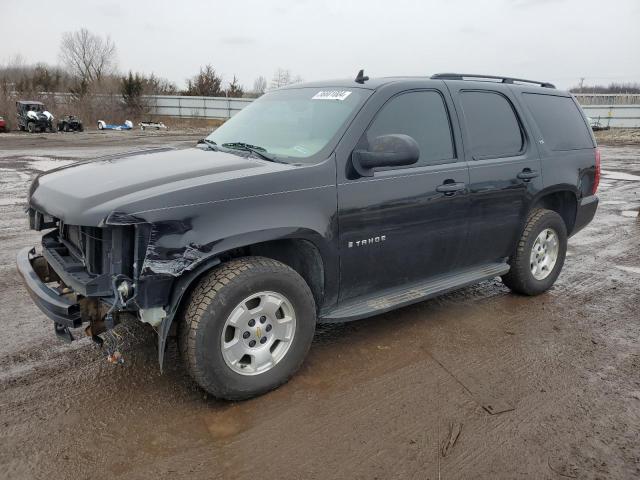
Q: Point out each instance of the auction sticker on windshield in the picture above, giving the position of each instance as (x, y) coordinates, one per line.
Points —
(331, 95)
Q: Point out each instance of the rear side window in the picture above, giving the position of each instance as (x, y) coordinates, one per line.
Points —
(559, 121)
(492, 124)
(421, 115)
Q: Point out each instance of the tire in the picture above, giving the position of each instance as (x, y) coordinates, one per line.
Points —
(80, 128)
(541, 229)
(31, 127)
(66, 127)
(205, 319)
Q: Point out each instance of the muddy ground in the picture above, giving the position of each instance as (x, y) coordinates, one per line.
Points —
(545, 387)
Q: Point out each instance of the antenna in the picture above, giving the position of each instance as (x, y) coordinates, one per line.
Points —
(360, 78)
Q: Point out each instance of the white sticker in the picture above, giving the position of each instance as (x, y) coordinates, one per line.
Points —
(331, 95)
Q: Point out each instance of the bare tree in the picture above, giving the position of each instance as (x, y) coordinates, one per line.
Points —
(87, 56)
(281, 77)
(259, 86)
(154, 85)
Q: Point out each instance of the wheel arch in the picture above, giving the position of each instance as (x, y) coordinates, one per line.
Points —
(562, 199)
(306, 253)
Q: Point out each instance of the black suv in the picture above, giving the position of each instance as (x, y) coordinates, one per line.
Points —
(319, 202)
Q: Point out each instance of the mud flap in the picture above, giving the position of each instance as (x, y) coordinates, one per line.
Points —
(163, 333)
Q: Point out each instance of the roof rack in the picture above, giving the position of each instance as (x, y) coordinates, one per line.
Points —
(463, 76)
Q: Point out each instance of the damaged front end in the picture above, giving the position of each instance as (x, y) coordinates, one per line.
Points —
(95, 276)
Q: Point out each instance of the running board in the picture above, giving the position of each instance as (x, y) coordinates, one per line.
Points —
(397, 297)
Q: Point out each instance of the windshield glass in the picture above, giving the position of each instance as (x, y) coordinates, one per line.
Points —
(292, 123)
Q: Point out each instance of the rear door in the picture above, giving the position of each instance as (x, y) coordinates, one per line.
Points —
(409, 223)
(504, 168)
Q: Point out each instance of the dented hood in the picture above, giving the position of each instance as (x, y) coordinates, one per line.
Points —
(85, 193)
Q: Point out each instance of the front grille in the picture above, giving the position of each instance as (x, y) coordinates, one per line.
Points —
(73, 236)
(86, 244)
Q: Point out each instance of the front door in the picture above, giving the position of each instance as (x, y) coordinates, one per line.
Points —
(409, 223)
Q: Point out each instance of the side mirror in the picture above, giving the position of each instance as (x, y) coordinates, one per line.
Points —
(395, 150)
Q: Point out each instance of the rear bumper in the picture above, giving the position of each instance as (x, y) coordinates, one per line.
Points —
(586, 211)
(64, 310)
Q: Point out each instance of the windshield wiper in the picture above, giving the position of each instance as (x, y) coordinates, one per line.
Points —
(213, 145)
(259, 151)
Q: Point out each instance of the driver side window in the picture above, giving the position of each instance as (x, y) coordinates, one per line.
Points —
(423, 116)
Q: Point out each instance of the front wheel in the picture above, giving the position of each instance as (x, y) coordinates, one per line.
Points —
(247, 327)
(539, 254)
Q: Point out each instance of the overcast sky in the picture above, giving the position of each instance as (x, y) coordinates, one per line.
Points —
(552, 40)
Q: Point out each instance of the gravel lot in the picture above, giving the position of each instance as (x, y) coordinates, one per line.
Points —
(545, 387)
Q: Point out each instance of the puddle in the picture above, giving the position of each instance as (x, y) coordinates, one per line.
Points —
(629, 269)
(610, 175)
(629, 213)
(4, 202)
(43, 163)
(224, 425)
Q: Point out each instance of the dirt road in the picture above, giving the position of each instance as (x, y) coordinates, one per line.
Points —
(476, 384)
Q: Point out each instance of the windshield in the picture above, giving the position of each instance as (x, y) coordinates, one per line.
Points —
(292, 123)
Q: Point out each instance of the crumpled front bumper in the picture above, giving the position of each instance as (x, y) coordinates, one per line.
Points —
(63, 309)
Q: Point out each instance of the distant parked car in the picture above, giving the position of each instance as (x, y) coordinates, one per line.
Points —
(70, 123)
(33, 116)
(3, 125)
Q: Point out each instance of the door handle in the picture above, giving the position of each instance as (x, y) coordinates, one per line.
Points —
(450, 188)
(527, 174)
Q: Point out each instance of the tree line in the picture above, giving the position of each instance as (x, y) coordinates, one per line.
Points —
(88, 65)
(625, 87)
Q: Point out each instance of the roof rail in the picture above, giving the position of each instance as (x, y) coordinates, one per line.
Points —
(463, 76)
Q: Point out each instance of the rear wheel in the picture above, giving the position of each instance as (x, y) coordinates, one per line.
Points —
(247, 327)
(31, 127)
(539, 255)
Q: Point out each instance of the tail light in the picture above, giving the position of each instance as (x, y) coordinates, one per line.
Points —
(596, 177)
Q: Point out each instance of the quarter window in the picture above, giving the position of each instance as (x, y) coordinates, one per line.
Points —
(560, 121)
(492, 124)
(421, 115)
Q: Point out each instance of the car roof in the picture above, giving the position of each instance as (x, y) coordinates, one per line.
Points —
(30, 102)
(370, 84)
(376, 83)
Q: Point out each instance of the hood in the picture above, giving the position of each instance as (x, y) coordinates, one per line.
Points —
(85, 193)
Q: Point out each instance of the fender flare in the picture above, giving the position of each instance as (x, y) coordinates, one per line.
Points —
(182, 284)
(560, 188)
